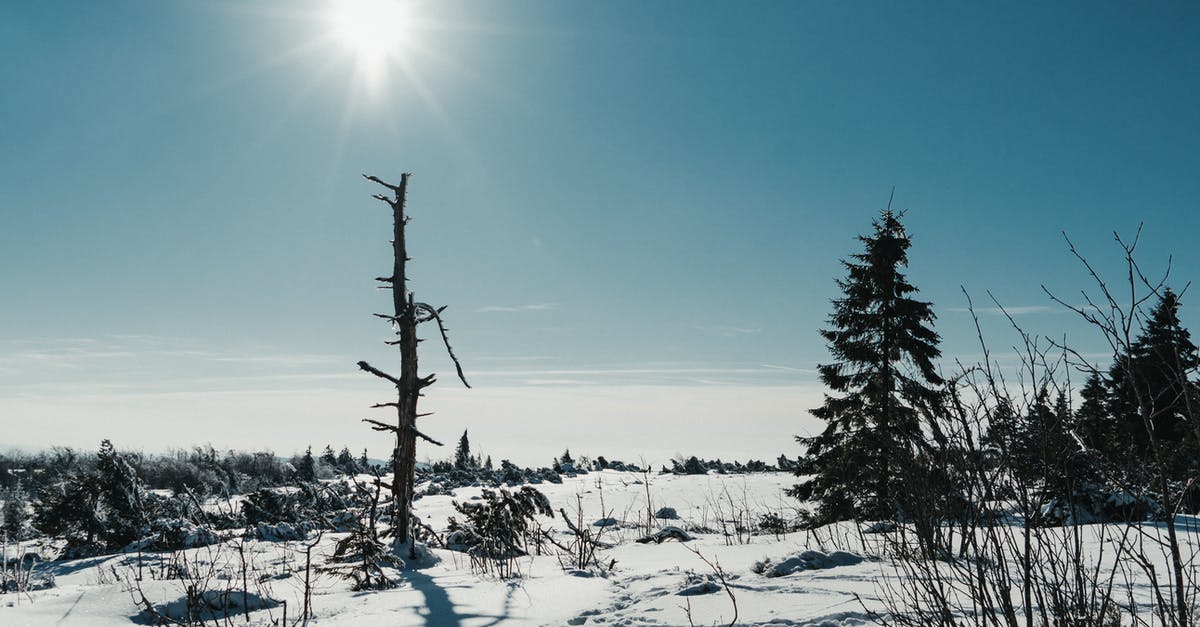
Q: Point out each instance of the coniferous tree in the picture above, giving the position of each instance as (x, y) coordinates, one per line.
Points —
(71, 508)
(1155, 375)
(328, 458)
(123, 497)
(883, 346)
(462, 454)
(345, 461)
(96, 509)
(14, 518)
(1044, 453)
(1093, 421)
(306, 470)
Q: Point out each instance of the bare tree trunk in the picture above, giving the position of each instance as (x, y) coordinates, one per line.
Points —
(404, 458)
(406, 315)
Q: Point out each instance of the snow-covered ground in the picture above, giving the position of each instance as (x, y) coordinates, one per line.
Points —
(643, 587)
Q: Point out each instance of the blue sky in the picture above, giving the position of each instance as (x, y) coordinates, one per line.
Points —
(634, 210)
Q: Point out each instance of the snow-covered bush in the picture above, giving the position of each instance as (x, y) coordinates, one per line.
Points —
(1093, 503)
(498, 529)
(178, 533)
(806, 560)
(361, 558)
(94, 510)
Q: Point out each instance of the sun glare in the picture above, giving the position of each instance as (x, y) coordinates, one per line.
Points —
(373, 30)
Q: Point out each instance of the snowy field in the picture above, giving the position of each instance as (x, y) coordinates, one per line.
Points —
(649, 584)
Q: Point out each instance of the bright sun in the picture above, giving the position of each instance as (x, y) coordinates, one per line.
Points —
(372, 29)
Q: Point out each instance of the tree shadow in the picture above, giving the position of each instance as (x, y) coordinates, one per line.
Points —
(439, 611)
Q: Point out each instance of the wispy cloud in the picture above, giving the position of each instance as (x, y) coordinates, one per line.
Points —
(789, 368)
(517, 308)
(654, 374)
(507, 358)
(1016, 310)
(147, 360)
(727, 331)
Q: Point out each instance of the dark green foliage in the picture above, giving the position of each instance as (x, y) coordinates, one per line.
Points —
(1093, 422)
(123, 495)
(207, 472)
(883, 346)
(1042, 450)
(98, 509)
(462, 454)
(346, 463)
(71, 509)
(499, 528)
(361, 558)
(699, 466)
(306, 469)
(312, 503)
(327, 457)
(272, 506)
(14, 516)
(1152, 402)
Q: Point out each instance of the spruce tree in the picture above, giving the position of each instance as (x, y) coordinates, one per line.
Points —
(1043, 450)
(1093, 421)
(72, 508)
(327, 457)
(14, 517)
(123, 497)
(462, 454)
(306, 470)
(883, 346)
(345, 461)
(1155, 376)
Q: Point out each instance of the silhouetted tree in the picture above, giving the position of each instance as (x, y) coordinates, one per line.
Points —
(883, 345)
(462, 454)
(124, 497)
(406, 314)
(328, 458)
(1157, 371)
(306, 470)
(345, 461)
(1093, 421)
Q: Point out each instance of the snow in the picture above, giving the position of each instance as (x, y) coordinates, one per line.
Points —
(813, 584)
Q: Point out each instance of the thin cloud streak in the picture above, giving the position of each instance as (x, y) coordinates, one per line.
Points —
(1017, 310)
(727, 331)
(517, 308)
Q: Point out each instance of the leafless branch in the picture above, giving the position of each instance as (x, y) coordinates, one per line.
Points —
(435, 314)
(379, 373)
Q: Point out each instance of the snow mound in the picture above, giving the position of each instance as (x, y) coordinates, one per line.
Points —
(215, 604)
(808, 560)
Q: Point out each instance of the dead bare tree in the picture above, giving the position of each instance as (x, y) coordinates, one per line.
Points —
(406, 315)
